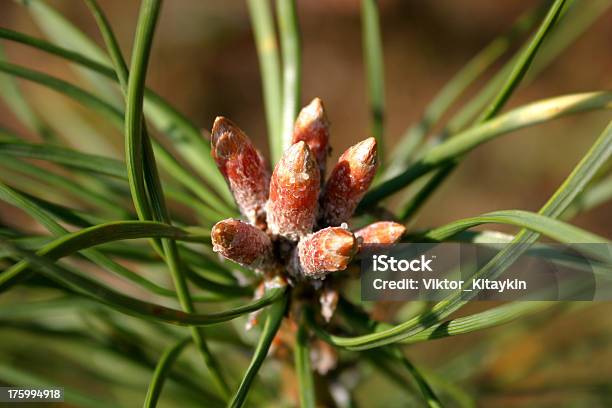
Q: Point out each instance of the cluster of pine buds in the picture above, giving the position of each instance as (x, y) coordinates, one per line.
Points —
(296, 222)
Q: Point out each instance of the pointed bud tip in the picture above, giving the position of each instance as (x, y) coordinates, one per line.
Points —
(223, 125)
(298, 149)
(220, 126)
(227, 138)
(314, 110)
(241, 242)
(220, 121)
(364, 151)
(223, 233)
(342, 242)
(298, 158)
(328, 250)
(382, 232)
(397, 229)
(316, 101)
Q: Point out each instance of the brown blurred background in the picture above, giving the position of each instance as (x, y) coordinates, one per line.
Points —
(204, 62)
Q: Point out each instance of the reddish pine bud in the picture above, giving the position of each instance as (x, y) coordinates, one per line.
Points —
(348, 182)
(383, 232)
(328, 250)
(243, 167)
(242, 243)
(312, 127)
(294, 190)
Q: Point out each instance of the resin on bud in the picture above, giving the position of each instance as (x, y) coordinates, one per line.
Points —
(348, 182)
(382, 232)
(294, 190)
(242, 243)
(312, 127)
(328, 250)
(243, 167)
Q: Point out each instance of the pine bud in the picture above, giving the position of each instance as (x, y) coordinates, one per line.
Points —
(348, 182)
(243, 167)
(328, 250)
(383, 232)
(242, 243)
(312, 127)
(294, 190)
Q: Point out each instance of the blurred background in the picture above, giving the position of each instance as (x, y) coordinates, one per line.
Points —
(204, 62)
